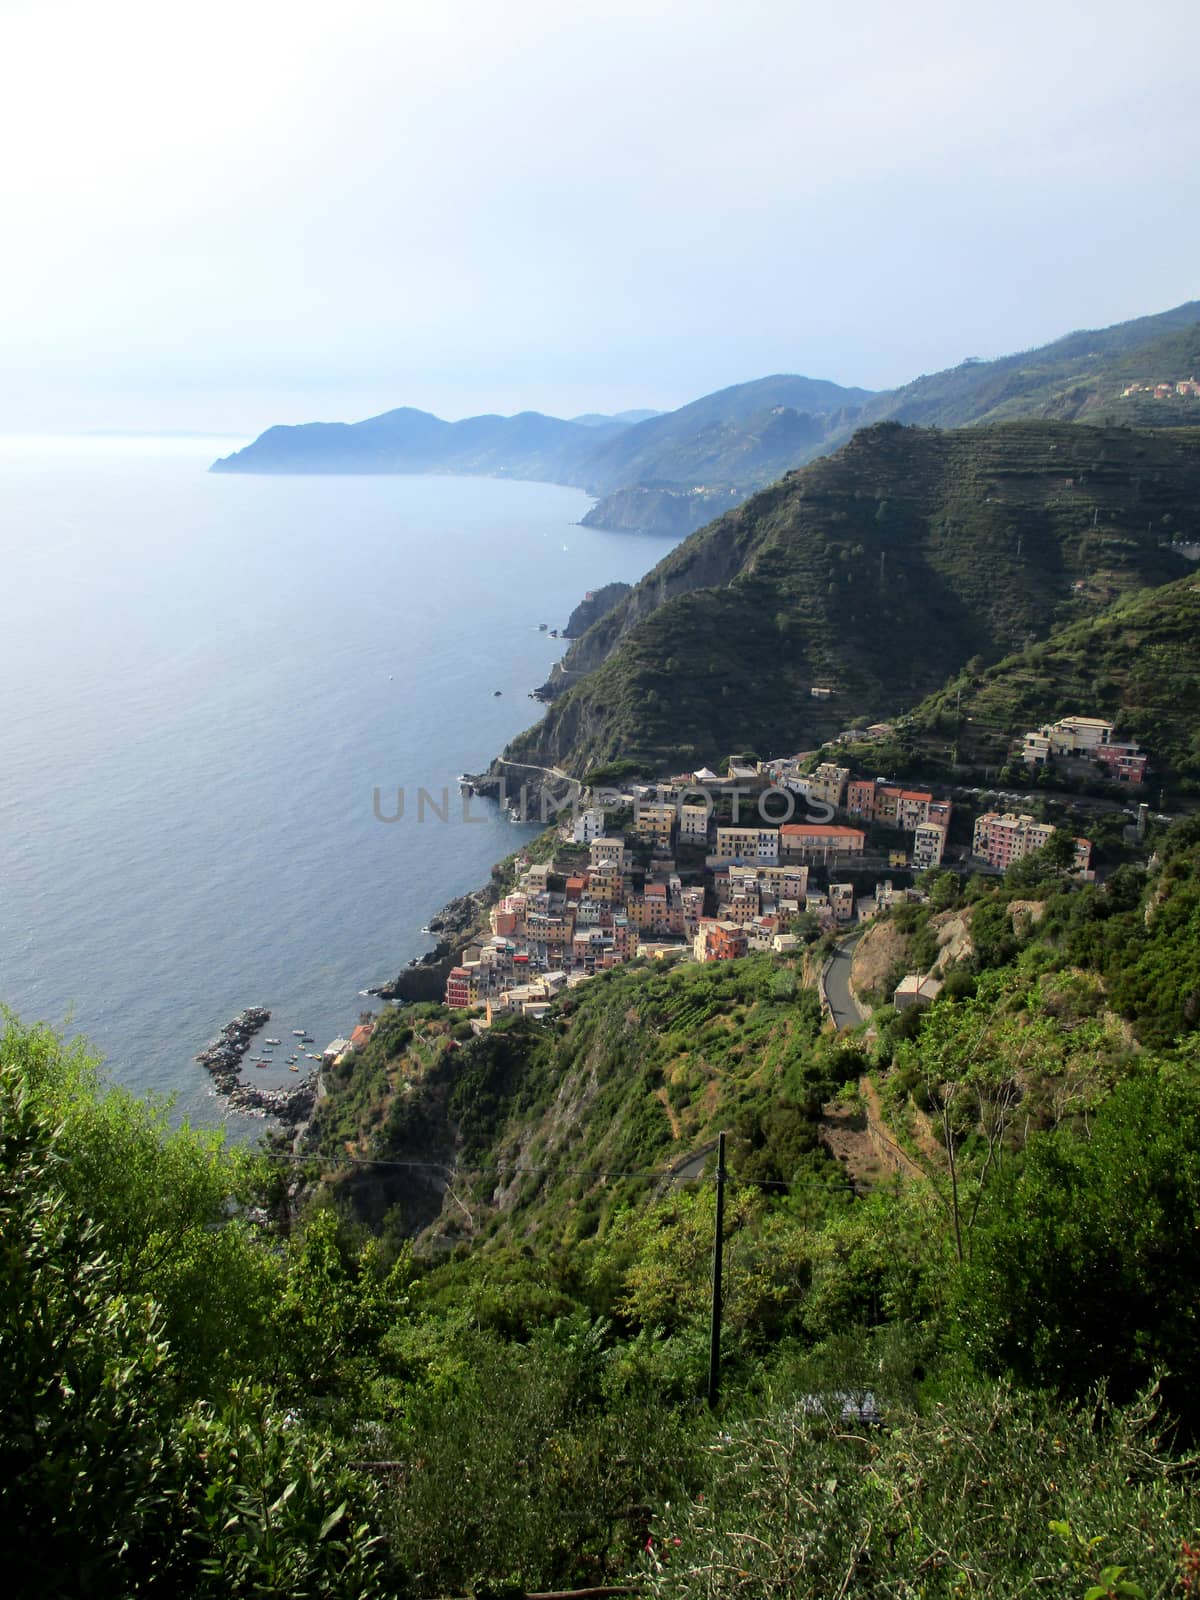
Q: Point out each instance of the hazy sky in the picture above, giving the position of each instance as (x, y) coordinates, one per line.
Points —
(229, 213)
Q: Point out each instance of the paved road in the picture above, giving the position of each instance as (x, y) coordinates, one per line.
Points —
(531, 766)
(842, 1004)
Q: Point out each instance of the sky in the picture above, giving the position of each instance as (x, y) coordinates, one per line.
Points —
(224, 215)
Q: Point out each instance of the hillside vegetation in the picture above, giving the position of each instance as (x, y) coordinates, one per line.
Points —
(879, 572)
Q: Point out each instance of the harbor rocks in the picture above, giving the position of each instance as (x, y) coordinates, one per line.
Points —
(223, 1054)
(223, 1058)
(290, 1105)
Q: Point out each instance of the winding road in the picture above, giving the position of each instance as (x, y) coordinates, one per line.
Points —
(835, 984)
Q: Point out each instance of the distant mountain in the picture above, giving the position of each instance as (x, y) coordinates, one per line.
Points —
(596, 419)
(528, 445)
(746, 435)
(875, 573)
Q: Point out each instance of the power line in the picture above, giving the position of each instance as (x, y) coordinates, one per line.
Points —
(658, 1174)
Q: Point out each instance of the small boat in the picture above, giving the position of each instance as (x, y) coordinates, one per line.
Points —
(271, 1041)
(262, 1063)
(496, 693)
(298, 1033)
(542, 626)
(293, 1069)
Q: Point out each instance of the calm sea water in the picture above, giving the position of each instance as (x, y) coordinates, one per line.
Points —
(204, 678)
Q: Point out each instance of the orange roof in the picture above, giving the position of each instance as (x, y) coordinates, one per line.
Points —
(914, 794)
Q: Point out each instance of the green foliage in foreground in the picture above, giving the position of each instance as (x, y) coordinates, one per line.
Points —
(113, 1478)
(989, 1493)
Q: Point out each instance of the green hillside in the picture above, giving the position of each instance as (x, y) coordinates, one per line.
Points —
(1137, 662)
(879, 572)
(637, 1070)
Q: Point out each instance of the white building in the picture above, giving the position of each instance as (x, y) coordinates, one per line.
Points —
(588, 825)
(693, 824)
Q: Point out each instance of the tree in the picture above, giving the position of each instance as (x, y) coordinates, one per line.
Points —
(82, 1453)
(1084, 1264)
(170, 1204)
(1060, 850)
(112, 1481)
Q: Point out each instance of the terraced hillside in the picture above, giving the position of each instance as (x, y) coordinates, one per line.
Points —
(1137, 662)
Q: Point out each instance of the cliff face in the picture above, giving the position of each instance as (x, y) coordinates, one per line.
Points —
(592, 607)
(878, 573)
(672, 512)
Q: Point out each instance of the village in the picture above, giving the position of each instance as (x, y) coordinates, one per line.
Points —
(1163, 391)
(709, 867)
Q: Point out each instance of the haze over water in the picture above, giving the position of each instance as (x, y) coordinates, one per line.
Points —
(204, 679)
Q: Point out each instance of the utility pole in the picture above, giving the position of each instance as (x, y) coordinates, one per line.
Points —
(714, 1345)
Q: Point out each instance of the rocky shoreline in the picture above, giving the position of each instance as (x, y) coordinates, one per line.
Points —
(222, 1057)
(425, 976)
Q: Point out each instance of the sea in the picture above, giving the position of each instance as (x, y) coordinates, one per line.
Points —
(211, 688)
